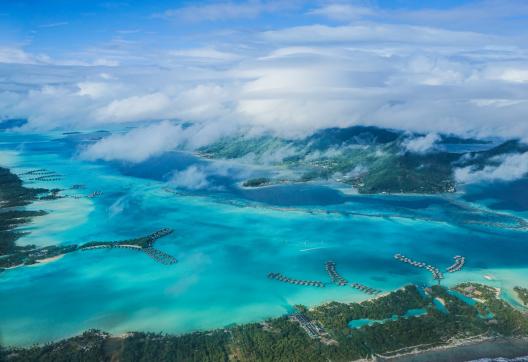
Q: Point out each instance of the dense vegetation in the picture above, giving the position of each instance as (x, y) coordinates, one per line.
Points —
(9, 220)
(28, 255)
(213, 346)
(408, 173)
(336, 315)
(12, 196)
(98, 346)
(280, 339)
(13, 193)
(506, 320)
(88, 347)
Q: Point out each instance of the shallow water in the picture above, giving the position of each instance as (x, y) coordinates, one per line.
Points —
(226, 241)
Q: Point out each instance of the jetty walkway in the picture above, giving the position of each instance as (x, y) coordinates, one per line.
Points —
(111, 246)
(282, 278)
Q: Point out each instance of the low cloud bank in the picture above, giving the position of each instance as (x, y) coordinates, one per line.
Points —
(154, 139)
(192, 178)
(422, 144)
(136, 145)
(207, 175)
(511, 167)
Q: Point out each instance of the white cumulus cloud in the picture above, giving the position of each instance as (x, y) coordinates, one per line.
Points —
(192, 178)
(511, 167)
(137, 145)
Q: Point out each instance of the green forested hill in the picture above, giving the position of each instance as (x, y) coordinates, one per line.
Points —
(373, 160)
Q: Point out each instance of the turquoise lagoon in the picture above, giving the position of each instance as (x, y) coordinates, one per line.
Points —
(226, 240)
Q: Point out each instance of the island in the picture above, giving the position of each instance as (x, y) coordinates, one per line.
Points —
(257, 182)
(402, 323)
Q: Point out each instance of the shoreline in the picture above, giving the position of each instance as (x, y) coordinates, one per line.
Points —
(447, 347)
(342, 187)
(50, 259)
(368, 299)
(466, 350)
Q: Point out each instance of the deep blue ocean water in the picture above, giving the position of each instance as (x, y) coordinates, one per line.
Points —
(226, 240)
(509, 196)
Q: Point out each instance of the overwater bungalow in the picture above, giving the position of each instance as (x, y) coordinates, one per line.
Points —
(334, 275)
(437, 274)
(281, 278)
(364, 288)
(458, 265)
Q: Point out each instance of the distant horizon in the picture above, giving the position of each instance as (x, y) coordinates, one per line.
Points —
(289, 68)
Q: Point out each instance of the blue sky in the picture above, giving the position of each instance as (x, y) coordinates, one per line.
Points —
(287, 67)
(62, 27)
